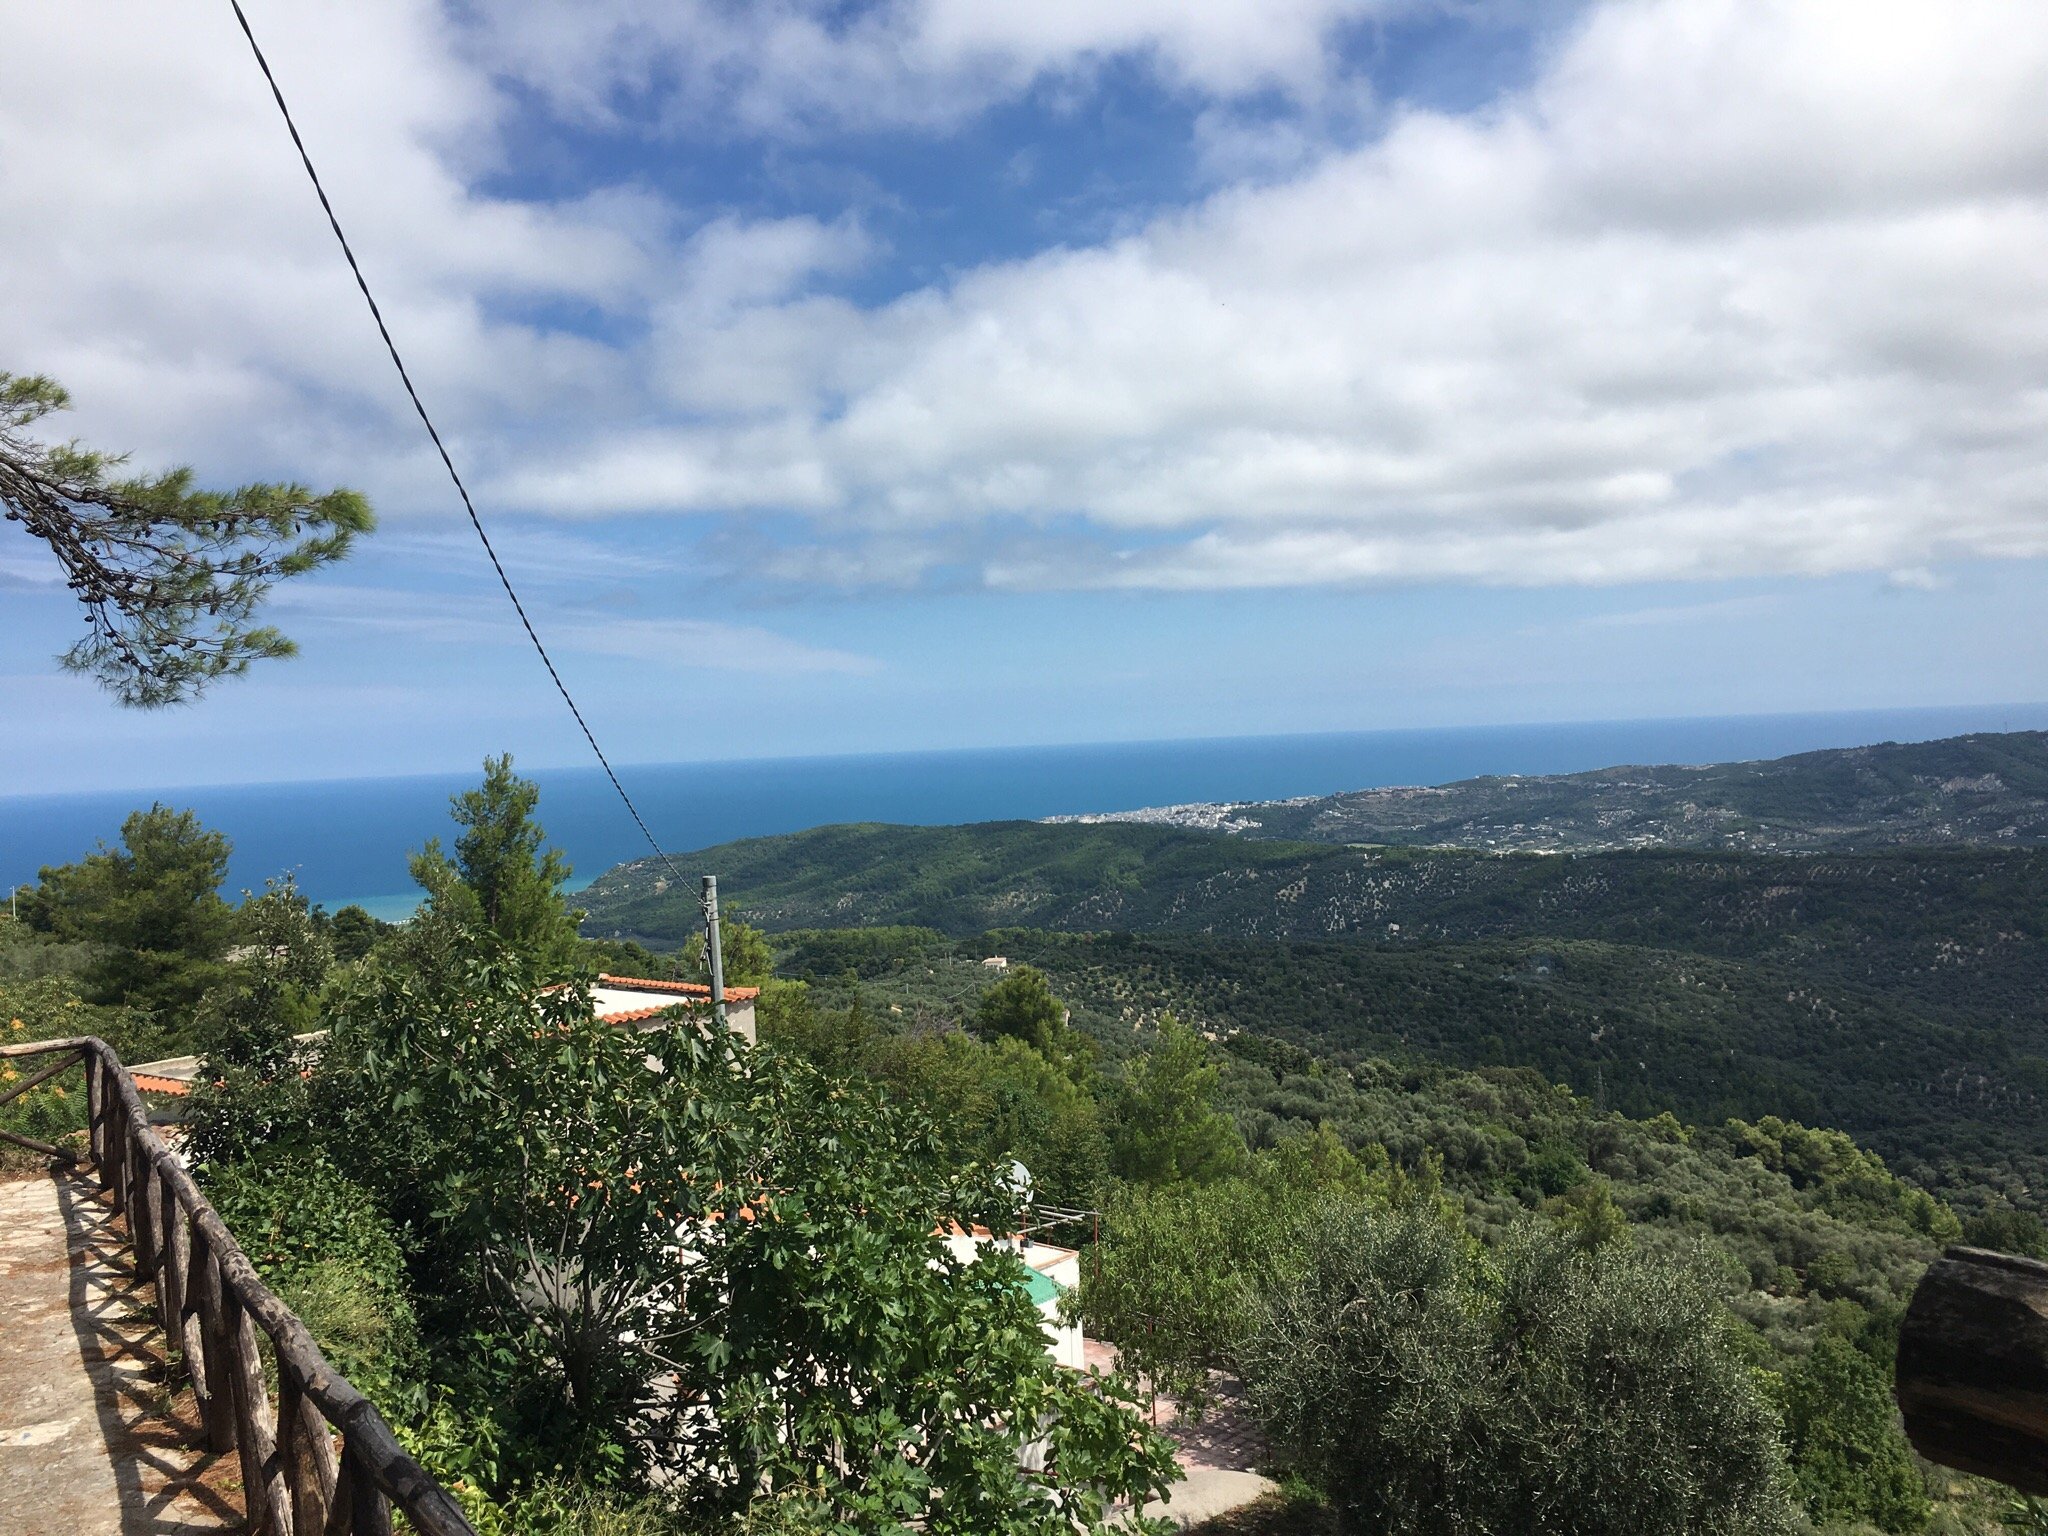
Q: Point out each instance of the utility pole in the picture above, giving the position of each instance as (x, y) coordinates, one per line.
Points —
(713, 954)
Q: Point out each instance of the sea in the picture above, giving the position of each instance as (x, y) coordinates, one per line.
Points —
(347, 840)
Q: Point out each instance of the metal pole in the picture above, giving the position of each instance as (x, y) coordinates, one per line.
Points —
(713, 954)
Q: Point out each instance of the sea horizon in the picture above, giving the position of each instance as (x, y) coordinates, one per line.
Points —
(346, 839)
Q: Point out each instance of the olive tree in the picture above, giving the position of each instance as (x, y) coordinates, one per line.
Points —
(1427, 1387)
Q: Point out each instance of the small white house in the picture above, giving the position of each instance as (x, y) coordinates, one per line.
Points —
(639, 1000)
(996, 963)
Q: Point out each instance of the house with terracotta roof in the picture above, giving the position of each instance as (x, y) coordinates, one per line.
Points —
(639, 1000)
(635, 1000)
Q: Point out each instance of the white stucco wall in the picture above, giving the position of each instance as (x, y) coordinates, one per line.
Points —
(739, 1016)
(1062, 1266)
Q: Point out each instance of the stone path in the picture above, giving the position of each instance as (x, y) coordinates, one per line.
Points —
(91, 1442)
(1219, 1457)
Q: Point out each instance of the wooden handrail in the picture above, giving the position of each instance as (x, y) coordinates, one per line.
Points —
(212, 1304)
(1972, 1373)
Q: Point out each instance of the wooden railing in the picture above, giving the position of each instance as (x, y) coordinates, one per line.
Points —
(1972, 1374)
(212, 1304)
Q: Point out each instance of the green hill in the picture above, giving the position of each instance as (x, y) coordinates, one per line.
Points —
(1633, 1028)
(1989, 789)
(1899, 993)
(1958, 927)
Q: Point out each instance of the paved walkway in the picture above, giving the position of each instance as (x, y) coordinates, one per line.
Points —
(91, 1443)
(1219, 1457)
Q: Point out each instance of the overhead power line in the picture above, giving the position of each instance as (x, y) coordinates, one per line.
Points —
(398, 362)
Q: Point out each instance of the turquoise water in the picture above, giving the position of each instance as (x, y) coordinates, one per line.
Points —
(347, 839)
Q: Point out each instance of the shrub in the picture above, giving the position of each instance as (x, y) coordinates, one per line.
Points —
(322, 1245)
(1852, 1463)
(1424, 1389)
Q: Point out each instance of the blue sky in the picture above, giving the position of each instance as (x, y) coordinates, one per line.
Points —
(959, 372)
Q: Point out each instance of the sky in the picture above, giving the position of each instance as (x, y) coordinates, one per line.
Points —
(930, 373)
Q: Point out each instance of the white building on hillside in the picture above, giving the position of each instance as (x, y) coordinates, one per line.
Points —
(639, 1000)
(1049, 1273)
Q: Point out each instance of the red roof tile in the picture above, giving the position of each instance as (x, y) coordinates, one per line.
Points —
(687, 989)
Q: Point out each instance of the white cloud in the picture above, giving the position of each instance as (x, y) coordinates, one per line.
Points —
(473, 618)
(165, 258)
(695, 644)
(783, 67)
(1732, 289)
(1917, 578)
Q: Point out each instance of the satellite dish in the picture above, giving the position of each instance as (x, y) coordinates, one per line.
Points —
(1019, 1181)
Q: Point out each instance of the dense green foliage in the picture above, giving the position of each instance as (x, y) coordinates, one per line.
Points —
(1181, 1277)
(1167, 1127)
(744, 957)
(150, 908)
(170, 576)
(503, 876)
(1957, 1102)
(1021, 1007)
(324, 1246)
(1852, 1465)
(645, 1280)
(1427, 1387)
(354, 933)
(39, 1000)
(1799, 1233)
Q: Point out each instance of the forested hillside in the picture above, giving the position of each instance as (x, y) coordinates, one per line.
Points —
(1642, 1030)
(1211, 1163)
(1959, 931)
(1933, 920)
(1989, 788)
(1902, 995)
(1636, 1029)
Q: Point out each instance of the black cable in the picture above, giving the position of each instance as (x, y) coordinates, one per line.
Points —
(427, 421)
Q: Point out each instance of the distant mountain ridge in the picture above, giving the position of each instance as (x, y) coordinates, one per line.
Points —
(1677, 838)
(1987, 788)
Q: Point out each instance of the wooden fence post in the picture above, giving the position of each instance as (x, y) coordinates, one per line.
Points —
(117, 1148)
(370, 1514)
(307, 1448)
(1972, 1373)
(177, 1242)
(95, 1114)
(217, 1398)
(341, 1510)
(141, 1215)
(263, 1488)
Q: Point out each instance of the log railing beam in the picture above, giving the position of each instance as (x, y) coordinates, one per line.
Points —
(1972, 1374)
(62, 1064)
